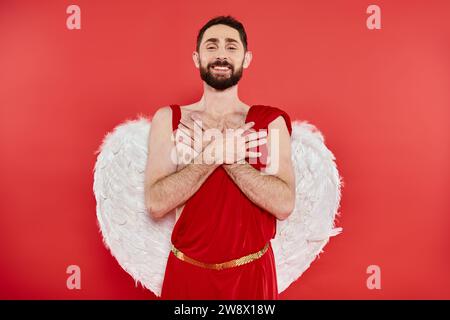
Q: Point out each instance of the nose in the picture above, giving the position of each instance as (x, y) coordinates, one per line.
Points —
(221, 53)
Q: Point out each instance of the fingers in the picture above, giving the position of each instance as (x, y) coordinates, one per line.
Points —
(191, 129)
(255, 135)
(255, 143)
(248, 149)
(246, 126)
(198, 122)
(195, 116)
(197, 131)
(199, 125)
(187, 122)
(250, 134)
(203, 121)
(246, 136)
(193, 120)
(185, 142)
(252, 154)
(184, 130)
(192, 139)
(183, 135)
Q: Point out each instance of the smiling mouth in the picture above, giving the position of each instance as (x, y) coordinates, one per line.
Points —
(219, 69)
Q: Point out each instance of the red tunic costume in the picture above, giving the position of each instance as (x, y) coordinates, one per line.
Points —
(219, 223)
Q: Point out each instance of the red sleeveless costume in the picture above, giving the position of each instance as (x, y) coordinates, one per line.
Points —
(219, 223)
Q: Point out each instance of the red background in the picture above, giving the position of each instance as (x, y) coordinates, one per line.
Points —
(380, 97)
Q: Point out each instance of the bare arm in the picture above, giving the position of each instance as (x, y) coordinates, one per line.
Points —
(165, 187)
(169, 192)
(274, 191)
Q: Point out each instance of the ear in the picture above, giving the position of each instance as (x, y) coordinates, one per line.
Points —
(196, 59)
(247, 59)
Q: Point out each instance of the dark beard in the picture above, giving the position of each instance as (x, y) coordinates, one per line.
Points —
(220, 83)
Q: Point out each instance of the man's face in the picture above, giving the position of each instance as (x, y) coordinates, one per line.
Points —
(221, 55)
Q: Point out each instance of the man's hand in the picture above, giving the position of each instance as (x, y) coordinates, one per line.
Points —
(236, 121)
(190, 137)
(233, 145)
(231, 139)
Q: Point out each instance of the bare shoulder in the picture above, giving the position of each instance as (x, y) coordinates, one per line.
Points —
(162, 114)
(278, 123)
(161, 125)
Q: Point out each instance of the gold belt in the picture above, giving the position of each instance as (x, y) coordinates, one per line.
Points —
(219, 266)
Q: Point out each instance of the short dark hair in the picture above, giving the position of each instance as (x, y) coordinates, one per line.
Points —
(228, 21)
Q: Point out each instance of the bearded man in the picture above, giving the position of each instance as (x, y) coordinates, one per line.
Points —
(227, 199)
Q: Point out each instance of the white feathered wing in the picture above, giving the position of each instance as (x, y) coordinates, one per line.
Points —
(141, 245)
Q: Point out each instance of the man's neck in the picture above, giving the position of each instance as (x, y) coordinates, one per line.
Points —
(220, 103)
